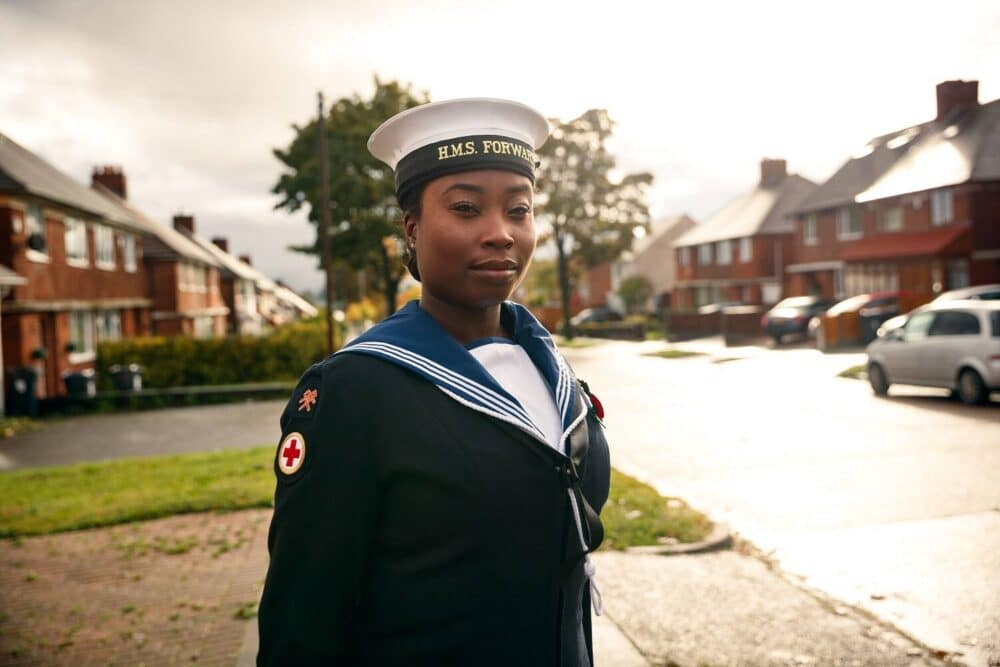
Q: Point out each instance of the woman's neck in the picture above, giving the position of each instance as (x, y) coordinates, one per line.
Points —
(464, 323)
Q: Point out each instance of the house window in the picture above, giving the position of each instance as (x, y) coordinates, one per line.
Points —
(34, 226)
(810, 230)
(705, 254)
(128, 251)
(249, 296)
(848, 224)
(958, 273)
(81, 333)
(724, 252)
(746, 249)
(109, 325)
(203, 326)
(104, 247)
(942, 207)
(199, 282)
(685, 256)
(890, 218)
(76, 242)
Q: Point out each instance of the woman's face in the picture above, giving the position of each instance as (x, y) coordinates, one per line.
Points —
(475, 236)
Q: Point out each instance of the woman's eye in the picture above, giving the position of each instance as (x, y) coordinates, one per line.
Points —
(463, 207)
(520, 211)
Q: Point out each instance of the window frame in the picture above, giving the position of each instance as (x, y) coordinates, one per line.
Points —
(849, 224)
(128, 251)
(104, 244)
(85, 347)
(887, 214)
(942, 207)
(746, 249)
(705, 256)
(75, 235)
(684, 256)
(724, 252)
(810, 229)
(35, 223)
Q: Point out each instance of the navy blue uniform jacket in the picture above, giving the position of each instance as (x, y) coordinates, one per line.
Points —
(423, 529)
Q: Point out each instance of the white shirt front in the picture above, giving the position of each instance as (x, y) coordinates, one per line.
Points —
(513, 370)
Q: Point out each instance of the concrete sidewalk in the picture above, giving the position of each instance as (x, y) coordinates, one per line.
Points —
(182, 590)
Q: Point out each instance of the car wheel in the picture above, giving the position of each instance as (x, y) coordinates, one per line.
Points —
(878, 380)
(971, 388)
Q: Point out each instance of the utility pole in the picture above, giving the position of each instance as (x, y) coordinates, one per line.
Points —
(324, 222)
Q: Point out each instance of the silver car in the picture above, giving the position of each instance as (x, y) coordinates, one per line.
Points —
(949, 344)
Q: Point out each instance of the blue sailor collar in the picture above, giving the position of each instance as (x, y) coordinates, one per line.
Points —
(411, 338)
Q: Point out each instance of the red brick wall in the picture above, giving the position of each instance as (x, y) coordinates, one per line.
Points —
(599, 283)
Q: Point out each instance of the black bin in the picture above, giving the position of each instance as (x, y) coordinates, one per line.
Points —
(22, 399)
(126, 378)
(80, 384)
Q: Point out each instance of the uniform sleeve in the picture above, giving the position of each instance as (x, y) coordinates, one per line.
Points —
(323, 523)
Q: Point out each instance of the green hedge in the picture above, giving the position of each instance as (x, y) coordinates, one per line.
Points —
(180, 361)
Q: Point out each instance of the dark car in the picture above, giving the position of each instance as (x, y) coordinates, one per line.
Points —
(599, 314)
(791, 316)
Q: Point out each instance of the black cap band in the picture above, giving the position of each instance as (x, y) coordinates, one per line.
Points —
(463, 154)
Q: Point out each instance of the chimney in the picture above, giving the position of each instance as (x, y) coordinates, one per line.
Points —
(772, 172)
(113, 178)
(184, 223)
(953, 95)
(221, 243)
(246, 260)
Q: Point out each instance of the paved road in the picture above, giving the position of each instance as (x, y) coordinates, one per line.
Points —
(167, 431)
(891, 504)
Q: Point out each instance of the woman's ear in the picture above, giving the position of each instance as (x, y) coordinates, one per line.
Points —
(410, 229)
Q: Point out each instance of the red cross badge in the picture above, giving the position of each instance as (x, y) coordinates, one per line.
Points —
(308, 400)
(291, 453)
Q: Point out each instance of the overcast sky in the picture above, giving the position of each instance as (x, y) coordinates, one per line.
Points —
(190, 97)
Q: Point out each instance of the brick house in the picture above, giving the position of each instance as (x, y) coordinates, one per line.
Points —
(739, 254)
(82, 262)
(183, 279)
(238, 282)
(916, 210)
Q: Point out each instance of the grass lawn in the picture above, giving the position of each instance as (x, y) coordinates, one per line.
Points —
(51, 500)
(673, 353)
(854, 373)
(11, 426)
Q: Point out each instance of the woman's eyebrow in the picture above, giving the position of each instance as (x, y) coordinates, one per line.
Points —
(518, 188)
(464, 186)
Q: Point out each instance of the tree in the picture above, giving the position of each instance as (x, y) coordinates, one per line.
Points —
(635, 291)
(365, 229)
(592, 217)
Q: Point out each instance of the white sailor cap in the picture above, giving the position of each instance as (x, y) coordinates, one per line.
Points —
(441, 138)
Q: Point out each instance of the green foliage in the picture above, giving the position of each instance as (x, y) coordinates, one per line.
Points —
(180, 361)
(364, 217)
(635, 291)
(636, 515)
(593, 217)
(46, 500)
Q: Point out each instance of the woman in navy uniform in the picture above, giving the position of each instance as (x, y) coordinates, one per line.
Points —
(439, 479)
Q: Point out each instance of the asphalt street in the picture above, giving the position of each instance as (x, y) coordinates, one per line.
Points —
(891, 505)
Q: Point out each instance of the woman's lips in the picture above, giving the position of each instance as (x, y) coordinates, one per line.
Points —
(496, 270)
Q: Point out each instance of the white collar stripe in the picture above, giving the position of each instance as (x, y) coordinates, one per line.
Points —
(474, 390)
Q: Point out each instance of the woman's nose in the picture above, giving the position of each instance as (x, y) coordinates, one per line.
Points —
(497, 233)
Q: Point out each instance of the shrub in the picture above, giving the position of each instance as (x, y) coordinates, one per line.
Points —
(180, 361)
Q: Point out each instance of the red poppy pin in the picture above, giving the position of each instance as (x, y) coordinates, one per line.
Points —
(598, 408)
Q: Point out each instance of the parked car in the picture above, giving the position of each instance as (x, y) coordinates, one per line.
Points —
(861, 316)
(949, 344)
(979, 292)
(598, 314)
(792, 315)
(710, 308)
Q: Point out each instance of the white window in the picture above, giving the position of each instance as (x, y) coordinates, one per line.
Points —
(34, 226)
(810, 230)
(203, 326)
(705, 254)
(249, 296)
(942, 207)
(890, 218)
(724, 252)
(109, 325)
(81, 333)
(76, 242)
(104, 247)
(199, 280)
(128, 251)
(848, 224)
(685, 256)
(746, 249)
